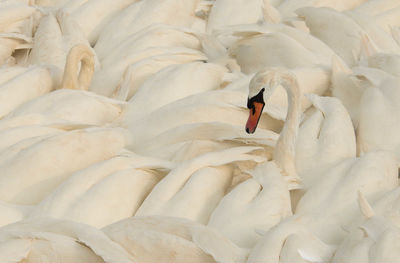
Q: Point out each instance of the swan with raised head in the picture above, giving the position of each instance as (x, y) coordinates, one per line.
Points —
(261, 88)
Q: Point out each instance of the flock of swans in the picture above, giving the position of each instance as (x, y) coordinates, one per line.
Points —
(229, 131)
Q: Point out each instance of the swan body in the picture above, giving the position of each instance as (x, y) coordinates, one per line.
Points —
(28, 85)
(173, 83)
(12, 13)
(228, 13)
(290, 241)
(211, 106)
(93, 16)
(379, 36)
(141, 14)
(325, 138)
(11, 213)
(9, 72)
(389, 19)
(270, 47)
(10, 42)
(374, 240)
(12, 136)
(58, 240)
(191, 140)
(88, 108)
(169, 239)
(52, 51)
(139, 66)
(157, 35)
(288, 8)
(374, 58)
(346, 39)
(255, 204)
(335, 193)
(387, 206)
(181, 188)
(319, 49)
(378, 101)
(375, 7)
(69, 152)
(102, 194)
(347, 88)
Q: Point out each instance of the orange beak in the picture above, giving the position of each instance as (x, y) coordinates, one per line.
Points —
(254, 117)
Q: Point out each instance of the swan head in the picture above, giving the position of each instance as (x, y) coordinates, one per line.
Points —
(261, 88)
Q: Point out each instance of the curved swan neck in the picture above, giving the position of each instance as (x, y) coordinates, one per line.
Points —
(73, 80)
(284, 152)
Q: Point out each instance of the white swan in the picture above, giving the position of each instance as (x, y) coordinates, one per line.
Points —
(139, 66)
(92, 16)
(290, 241)
(88, 108)
(324, 139)
(143, 14)
(212, 106)
(191, 140)
(53, 159)
(14, 135)
(58, 240)
(288, 7)
(10, 213)
(258, 203)
(14, 19)
(193, 189)
(246, 197)
(156, 35)
(53, 40)
(78, 54)
(378, 110)
(227, 13)
(172, 239)
(375, 7)
(173, 83)
(331, 201)
(104, 192)
(374, 240)
(30, 84)
(261, 88)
